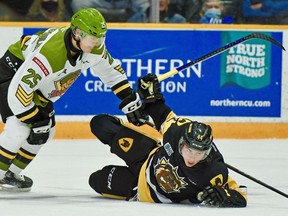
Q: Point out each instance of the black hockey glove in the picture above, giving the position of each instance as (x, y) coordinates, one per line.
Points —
(220, 197)
(132, 107)
(39, 133)
(40, 130)
(149, 89)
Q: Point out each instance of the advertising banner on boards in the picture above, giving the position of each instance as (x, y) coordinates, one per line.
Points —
(242, 81)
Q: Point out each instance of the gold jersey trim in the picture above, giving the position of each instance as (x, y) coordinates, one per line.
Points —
(143, 187)
(30, 115)
(114, 196)
(116, 91)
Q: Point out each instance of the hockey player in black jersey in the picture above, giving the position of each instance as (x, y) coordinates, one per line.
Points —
(35, 72)
(186, 167)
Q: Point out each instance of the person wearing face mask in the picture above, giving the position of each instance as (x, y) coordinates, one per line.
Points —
(14, 10)
(48, 10)
(186, 167)
(35, 72)
(213, 13)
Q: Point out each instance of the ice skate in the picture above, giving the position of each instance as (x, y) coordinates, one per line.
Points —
(15, 183)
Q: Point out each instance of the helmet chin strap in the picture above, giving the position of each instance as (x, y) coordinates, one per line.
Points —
(78, 44)
(78, 48)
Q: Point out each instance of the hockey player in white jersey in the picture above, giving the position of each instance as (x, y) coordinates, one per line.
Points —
(35, 72)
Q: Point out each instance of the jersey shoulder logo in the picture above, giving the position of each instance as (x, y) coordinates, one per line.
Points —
(125, 143)
(24, 97)
(217, 180)
(41, 65)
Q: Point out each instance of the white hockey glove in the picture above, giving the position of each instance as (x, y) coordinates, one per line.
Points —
(132, 107)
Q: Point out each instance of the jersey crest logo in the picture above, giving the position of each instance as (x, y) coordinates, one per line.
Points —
(63, 84)
(167, 177)
(125, 143)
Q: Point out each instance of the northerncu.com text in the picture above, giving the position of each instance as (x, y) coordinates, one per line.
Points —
(239, 103)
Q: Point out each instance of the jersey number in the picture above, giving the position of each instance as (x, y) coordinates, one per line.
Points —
(32, 78)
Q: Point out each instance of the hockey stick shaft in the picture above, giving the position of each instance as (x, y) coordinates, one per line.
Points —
(218, 51)
(256, 180)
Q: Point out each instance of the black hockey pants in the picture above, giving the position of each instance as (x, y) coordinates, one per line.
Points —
(130, 145)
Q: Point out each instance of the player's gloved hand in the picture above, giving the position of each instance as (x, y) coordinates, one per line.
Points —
(39, 133)
(214, 196)
(149, 89)
(132, 107)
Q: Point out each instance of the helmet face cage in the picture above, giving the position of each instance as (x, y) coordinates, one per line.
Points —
(197, 136)
(197, 153)
(90, 21)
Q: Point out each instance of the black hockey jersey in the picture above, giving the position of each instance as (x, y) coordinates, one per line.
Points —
(164, 177)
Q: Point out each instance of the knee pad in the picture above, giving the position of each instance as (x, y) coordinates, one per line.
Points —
(14, 133)
(94, 181)
(101, 180)
(113, 181)
(104, 127)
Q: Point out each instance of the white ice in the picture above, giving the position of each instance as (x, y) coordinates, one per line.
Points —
(62, 168)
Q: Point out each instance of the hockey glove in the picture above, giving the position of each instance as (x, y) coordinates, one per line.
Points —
(214, 196)
(132, 107)
(39, 133)
(149, 89)
(220, 197)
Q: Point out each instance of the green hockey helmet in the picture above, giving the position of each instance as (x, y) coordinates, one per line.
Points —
(89, 21)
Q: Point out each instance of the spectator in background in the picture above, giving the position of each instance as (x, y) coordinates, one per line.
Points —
(167, 14)
(48, 10)
(213, 13)
(233, 8)
(191, 10)
(265, 11)
(112, 10)
(14, 10)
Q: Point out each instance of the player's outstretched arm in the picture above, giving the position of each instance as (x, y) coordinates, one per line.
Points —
(223, 196)
(153, 100)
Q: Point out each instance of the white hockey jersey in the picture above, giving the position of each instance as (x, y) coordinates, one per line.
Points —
(49, 70)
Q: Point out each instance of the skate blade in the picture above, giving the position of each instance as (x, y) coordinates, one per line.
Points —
(11, 188)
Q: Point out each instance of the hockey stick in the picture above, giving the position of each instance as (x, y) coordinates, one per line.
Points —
(256, 180)
(216, 52)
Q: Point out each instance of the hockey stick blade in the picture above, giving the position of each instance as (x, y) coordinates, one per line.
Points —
(256, 180)
(268, 38)
(218, 51)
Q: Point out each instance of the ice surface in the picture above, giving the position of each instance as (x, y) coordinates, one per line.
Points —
(62, 168)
